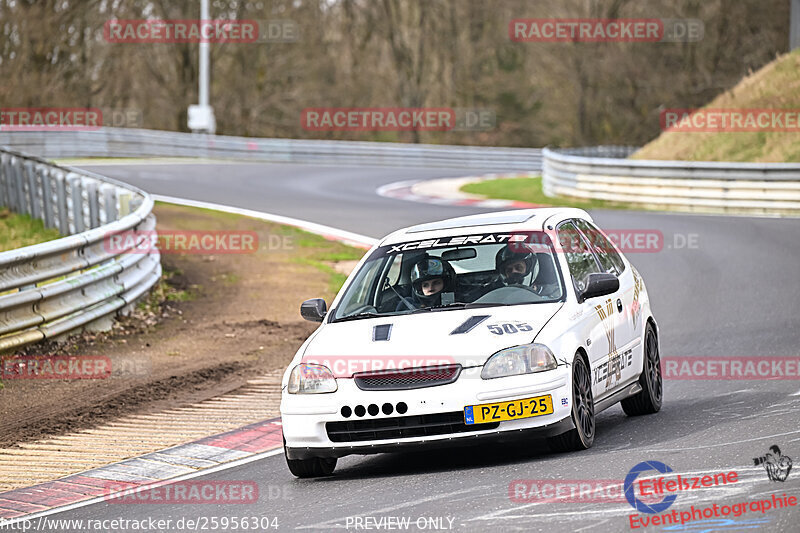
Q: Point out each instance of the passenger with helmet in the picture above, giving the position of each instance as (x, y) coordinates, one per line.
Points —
(430, 278)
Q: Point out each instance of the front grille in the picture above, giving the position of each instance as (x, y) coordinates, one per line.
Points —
(408, 378)
(402, 427)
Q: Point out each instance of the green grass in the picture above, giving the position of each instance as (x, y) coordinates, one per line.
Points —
(164, 290)
(179, 296)
(17, 231)
(222, 215)
(318, 252)
(335, 279)
(304, 247)
(530, 190)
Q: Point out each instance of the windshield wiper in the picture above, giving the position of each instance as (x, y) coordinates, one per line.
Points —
(474, 305)
(460, 305)
(358, 316)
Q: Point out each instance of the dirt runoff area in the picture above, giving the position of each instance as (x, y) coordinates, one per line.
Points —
(213, 322)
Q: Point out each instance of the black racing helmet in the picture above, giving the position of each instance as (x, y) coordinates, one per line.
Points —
(429, 268)
(512, 253)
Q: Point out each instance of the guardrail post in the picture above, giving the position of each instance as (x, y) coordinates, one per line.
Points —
(3, 180)
(14, 185)
(47, 195)
(33, 190)
(76, 195)
(61, 202)
(124, 204)
(110, 202)
(136, 202)
(11, 184)
(94, 204)
(24, 206)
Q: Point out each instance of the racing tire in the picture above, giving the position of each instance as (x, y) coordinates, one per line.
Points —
(581, 437)
(648, 400)
(312, 467)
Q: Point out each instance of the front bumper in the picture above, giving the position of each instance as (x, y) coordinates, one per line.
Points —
(499, 436)
(304, 417)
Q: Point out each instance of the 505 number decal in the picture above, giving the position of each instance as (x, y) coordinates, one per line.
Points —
(509, 328)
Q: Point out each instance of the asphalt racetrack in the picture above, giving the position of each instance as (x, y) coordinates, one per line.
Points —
(719, 286)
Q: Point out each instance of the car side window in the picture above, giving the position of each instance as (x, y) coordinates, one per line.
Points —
(580, 259)
(609, 259)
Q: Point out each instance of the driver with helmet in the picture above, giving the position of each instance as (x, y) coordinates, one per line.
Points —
(514, 262)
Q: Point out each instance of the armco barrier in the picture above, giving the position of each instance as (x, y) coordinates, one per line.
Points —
(57, 287)
(597, 172)
(128, 142)
(602, 173)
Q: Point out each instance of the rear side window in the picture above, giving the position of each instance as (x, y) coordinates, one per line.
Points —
(580, 259)
(609, 259)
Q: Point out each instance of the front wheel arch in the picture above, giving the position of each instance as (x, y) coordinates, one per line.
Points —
(585, 356)
(652, 321)
(577, 438)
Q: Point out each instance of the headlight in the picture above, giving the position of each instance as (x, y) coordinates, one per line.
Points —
(311, 379)
(525, 359)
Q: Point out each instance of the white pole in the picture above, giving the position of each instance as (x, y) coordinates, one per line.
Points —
(203, 58)
(201, 116)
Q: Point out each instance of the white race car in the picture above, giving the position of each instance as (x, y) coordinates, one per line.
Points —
(522, 323)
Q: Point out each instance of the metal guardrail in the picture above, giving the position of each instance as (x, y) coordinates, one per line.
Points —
(128, 142)
(78, 281)
(602, 173)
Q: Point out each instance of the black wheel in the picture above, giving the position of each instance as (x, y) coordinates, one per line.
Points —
(648, 401)
(582, 436)
(313, 467)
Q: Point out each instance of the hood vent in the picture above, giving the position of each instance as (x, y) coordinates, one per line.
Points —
(469, 324)
(382, 332)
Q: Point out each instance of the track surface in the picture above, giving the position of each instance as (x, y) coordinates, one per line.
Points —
(735, 294)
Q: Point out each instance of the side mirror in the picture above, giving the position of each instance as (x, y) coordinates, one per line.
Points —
(599, 285)
(314, 310)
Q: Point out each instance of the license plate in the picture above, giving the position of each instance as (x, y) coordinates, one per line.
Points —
(513, 410)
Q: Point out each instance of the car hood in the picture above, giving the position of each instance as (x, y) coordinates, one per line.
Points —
(460, 336)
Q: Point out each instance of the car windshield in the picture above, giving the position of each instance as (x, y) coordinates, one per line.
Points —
(454, 272)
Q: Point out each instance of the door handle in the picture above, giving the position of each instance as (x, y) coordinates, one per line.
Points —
(619, 305)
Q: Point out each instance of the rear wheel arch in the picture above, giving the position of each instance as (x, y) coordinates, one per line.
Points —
(649, 399)
(650, 321)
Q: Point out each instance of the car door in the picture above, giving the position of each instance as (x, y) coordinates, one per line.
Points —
(588, 322)
(599, 316)
(624, 354)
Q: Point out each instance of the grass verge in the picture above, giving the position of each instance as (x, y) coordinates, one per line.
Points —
(530, 190)
(775, 86)
(306, 248)
(322, 254)
(17, 231)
